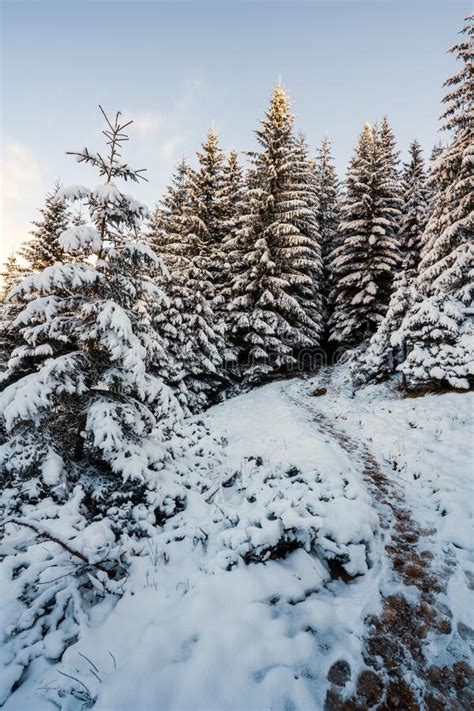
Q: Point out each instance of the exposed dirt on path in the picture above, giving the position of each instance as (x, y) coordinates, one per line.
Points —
(398, 674)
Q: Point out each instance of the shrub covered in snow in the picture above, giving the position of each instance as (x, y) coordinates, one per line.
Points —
(274, 510)
(55, 567)
(273, 500)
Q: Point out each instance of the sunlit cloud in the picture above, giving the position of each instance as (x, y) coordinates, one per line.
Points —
(20, 186)
(20, 172)
(160, 137)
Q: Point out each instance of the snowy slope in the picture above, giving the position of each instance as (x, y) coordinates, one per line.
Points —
(426, 441)
(200, 628)
(428, 445)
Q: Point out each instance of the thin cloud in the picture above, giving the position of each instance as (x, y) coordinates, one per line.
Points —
(162, 135)
(145, 123)
(170, 146)
(192, 87)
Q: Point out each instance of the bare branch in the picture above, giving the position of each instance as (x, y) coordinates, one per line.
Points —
(106, 117)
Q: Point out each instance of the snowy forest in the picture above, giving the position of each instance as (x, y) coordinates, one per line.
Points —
(235, 428)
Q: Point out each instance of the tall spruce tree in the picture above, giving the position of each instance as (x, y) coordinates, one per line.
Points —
(328, 211)
(365, 262)
(231, 197)
(188, 324)
(382, 356)
(390, 198)
(166, 229)
(438, 331)
(414, 209)
(304, 253)
(276, 306)
(44, 248)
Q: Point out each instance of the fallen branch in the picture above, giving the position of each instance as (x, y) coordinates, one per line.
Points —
(220, 484)
(51, 537)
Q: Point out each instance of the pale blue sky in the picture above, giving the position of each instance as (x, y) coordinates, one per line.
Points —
(178, 66)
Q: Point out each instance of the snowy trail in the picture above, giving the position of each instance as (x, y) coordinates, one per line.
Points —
(415, 624)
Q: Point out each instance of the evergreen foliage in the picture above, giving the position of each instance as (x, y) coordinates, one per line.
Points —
(415, 208)
(232, 196)
(11, 275)
(384, 352)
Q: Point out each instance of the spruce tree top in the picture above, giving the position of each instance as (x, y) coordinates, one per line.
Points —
(277, 126)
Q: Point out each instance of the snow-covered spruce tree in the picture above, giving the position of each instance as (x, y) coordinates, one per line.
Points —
(438, 330)
(271, 313)
(390, 198)
(166, 231)
(44, 249)
(188, 324)
(304, 258)
(82, 403)
(166, 237)
(365, 262)
(328, 210)
(204, 209)
(231, 198)
(83, 422)
(381, 357)
(415, 208)
(11, 275)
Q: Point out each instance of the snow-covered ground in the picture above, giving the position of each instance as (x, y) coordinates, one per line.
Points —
(247, 598)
